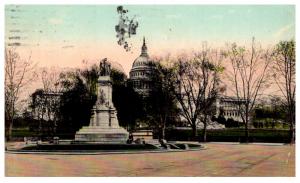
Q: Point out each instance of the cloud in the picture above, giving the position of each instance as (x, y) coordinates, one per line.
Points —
(55, 21)
(283, 31)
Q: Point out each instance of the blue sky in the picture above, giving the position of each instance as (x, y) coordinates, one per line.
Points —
(203, 22)
(76, 32)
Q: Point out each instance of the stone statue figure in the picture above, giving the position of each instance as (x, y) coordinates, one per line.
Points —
(105, 67)
(101, 99)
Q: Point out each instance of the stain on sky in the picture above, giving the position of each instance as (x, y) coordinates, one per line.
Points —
(14, 37)
(68, 46)
(14, 30)
(126, 28)
(17, 35)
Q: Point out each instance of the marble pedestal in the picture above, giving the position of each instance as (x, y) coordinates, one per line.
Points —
(101, 135)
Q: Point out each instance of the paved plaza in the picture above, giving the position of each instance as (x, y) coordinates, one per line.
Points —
(219, 159)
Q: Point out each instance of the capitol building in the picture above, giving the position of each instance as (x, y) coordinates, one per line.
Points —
(141, 79)
(140, 75)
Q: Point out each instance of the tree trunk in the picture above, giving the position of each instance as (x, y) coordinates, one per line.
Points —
(163, 135)
(204, 132)
(204, 128)
(7, 136)
(246, 133)
(292, 130)
(292, 135)
(194, 128)
(246, 128)
(8, 129)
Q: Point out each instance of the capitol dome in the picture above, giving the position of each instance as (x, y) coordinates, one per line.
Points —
(142, 71)
(143, 60)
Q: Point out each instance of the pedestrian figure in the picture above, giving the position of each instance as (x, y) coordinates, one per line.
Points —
(130, 138)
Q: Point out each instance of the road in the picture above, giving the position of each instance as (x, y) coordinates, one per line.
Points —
(216, 160)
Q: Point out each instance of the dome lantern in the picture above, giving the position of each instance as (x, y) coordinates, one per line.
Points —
(144, 49)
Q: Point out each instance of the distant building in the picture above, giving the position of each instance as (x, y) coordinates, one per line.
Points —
(224, 106)
(140, 75)
(228, 107)
(45, 105)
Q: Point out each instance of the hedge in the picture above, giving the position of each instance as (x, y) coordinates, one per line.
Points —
(230, 135)
(220, 135)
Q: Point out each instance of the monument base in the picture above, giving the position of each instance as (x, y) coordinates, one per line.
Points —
(100, 134)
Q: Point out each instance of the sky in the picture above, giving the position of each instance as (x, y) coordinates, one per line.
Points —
(64, 35)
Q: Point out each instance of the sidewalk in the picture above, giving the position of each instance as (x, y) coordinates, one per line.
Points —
(216, 160)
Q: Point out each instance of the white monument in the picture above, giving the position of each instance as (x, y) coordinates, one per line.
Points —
(104, 126)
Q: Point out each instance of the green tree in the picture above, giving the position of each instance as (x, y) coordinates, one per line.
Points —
(272, 113)
(284, 76)
(128, 103)
(161, 105)
(77, 100)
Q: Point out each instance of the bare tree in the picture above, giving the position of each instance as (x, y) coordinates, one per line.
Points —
(18, 73)
(50, 79)
(248, 75)
(212, 87)
(197, 84)
(284, 77)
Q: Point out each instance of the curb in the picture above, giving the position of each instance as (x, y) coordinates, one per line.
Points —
(98, 152)
(250, 143)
